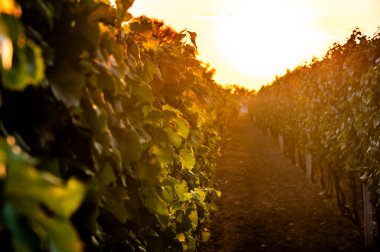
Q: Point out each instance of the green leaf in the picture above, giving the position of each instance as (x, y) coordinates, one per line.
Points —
(67, 84)
(28, 68)
(200, 193)
(152, 116)
(149, 171)
(205, 236)
(164, 155)
(62, 235)
(191, 245)
(193, 217)
(150, 68)
(96, 116)
(152, 201)
(143, 93)
(23, 180)
(25, 239)
(182, 191)
(183, 127)
(186, 157)
(27, 189)
(174, 138)
(107, 175)
(118, 209)
(167, 193)
(63, 200)
(116, 201)
(129, 145)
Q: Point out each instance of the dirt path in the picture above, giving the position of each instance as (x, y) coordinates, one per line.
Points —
(267, 204)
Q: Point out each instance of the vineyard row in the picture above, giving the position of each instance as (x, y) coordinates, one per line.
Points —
(327, 113)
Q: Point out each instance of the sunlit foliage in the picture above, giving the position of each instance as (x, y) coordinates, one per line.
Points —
(331, 107)
(122, 105)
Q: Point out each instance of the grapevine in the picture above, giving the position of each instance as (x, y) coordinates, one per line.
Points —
(330, 108)
(121, 106)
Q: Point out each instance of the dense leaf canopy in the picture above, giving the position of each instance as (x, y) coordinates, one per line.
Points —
(123, 121)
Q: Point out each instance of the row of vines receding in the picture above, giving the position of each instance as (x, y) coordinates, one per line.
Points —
(109, 128)
(329, 109)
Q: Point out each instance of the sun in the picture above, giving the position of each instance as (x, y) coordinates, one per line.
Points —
(264, 38)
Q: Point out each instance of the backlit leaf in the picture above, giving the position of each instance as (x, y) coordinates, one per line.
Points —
(193, 217)
(27, 189)
(205, 236)
(143, 93)
(183, 127)
(152, 201)
(174, 137)
(180, 237)
(28, 68)
(182, 191)
(149, 171)
(186, 157)
(164, 155)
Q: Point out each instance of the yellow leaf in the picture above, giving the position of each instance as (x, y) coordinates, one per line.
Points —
(125, 27)
(186, 157)
(180, 237)
(218, 193)
(205, 236)
(193, 217)
(200, 193)
(151, 45)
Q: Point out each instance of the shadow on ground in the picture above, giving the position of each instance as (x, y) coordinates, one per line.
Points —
(267, 204)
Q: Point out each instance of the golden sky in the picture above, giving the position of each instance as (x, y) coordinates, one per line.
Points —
(248, 42)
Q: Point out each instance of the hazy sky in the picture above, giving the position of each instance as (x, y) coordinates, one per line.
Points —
(250, 41)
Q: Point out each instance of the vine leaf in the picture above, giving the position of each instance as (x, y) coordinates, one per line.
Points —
(102, 13)
(186, 157)
(129, 145)
(28, 191)
(193, 38)
(28, 68)
(67, 84)
(174, 137)
(143, 93)
(152, 201)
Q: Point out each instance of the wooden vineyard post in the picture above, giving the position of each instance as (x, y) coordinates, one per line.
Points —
(268, 132)
(368, 222)
(309, 167)
(281, 143)
(297, 156)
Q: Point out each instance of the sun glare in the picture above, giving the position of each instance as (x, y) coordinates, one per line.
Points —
(265, 38)
(251, 41)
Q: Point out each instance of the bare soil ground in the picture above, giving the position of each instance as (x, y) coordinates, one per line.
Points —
(268, 205)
